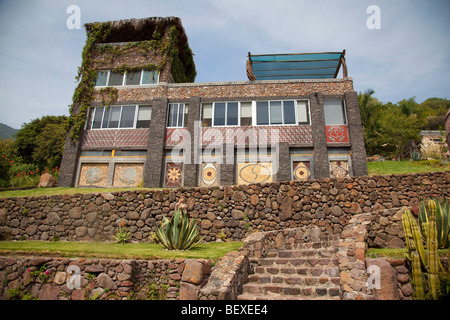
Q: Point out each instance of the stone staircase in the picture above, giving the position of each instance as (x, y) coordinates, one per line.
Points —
(305, 271)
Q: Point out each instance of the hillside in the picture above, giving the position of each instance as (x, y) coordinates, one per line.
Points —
(6, 131)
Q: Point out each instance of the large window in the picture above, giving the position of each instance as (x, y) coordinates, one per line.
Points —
(226, 114)
(177, 115)
(275, 112)
(115, 117)
(334, 111)
(132, 78)
(144, 117)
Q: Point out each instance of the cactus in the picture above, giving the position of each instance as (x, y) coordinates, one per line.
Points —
(417, 276)
(442, 221)
(432, 251)
(423, 259)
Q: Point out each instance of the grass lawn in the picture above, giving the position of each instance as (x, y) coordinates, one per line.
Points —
(211, 250)
(406, 166)
(59, 190)
(395, 253)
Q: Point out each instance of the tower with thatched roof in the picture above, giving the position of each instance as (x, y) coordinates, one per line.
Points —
(138, 117)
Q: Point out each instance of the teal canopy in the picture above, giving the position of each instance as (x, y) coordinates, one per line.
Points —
(322, 65)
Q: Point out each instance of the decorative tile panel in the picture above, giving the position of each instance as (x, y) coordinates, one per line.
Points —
(128, 174)
(254, 173)
(258, 134)
(93, 174)
(339, 169)
(114, 138)
(301, 170)
(173, 175)
(209, 174)
(174, 136)
(337, 134)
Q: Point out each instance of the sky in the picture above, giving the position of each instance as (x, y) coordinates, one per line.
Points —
(407, 56)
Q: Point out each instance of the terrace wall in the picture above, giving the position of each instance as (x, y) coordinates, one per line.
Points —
(48, 278)
(234, 210)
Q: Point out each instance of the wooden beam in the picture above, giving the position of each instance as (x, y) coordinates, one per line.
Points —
(250, 74)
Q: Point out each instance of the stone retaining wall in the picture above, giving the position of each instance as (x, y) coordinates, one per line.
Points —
(47, 278)
(234, 210)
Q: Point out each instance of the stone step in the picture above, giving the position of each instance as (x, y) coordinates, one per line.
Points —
(292, 290)
(303, 253)
(330, 271)
(296, 262)
(297, 280)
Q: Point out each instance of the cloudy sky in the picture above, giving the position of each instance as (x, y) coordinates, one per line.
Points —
(408, 56)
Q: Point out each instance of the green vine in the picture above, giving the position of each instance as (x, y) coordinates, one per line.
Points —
(110, 93)
(166, 47)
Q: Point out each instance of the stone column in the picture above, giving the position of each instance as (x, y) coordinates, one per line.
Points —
(356, 136)
(227, 169)
(154, 163)
(191, 170)
(284, 162)
(321, 166)
(68, 171)
(70, 157)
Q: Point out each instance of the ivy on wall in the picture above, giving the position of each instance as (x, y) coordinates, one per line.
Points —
(94, 57)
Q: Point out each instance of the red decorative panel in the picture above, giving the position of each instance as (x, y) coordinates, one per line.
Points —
(337, 134)
(258, 134)
(114, 138)
(174, 175)
(176, 135)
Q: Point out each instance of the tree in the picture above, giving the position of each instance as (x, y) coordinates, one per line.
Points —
(370, 110)
(40, 141)
(49, 146)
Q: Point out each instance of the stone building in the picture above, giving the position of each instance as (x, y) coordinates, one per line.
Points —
(138, 117)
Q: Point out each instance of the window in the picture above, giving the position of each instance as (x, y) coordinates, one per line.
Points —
(144, 117)
(226, 114)
(96, 153)
(303, 112)
(246, 113)
(130, 153)
(115, 79)
(127, 118)
(275, 112)
(334, 111)
(102, 78)
(97, 119)
(113, 117)
(206, 114)
(132, 78)
(149, 77)
(175, 117)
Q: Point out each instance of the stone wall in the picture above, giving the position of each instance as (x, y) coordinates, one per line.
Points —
(48, 278)
(234, 210)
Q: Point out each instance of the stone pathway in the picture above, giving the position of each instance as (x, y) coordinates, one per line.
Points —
(308, 271)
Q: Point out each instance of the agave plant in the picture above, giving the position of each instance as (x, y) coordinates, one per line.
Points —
(442, 221)
(122, 235)
(178, 233)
